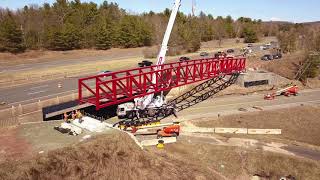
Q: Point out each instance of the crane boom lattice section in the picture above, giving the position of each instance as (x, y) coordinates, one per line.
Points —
(122, 86)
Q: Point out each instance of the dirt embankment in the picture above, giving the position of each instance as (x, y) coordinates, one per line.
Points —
(106, 157)
(286, 67)
(12, 146)
(298, 124)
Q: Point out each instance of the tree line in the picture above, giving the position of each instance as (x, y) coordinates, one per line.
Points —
(67, 25)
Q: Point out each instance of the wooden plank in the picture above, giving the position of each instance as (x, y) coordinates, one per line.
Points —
(230, 130)
(265, 131)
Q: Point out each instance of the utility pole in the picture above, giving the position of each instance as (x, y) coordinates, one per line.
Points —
(194, 7)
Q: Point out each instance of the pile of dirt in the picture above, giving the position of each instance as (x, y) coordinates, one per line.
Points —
(113, 156)
(298, 124)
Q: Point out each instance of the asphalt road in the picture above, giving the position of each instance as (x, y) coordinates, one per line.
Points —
(38, 91)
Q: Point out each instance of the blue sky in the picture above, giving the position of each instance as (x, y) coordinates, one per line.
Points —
(284, 10)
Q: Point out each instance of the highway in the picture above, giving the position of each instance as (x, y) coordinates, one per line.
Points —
(28, 93)
(33, 92)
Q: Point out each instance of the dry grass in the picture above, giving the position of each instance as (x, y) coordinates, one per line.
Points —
(238, 163)
(36, 56)
(298, 124)
(75, 69)
(286, 67)
(106, 157)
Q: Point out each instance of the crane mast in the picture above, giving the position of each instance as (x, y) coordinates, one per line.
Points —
(149, 101)
(165, 41)
(145, 101)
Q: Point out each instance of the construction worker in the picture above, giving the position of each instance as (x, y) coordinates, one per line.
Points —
(73, 115)
(79, 116)
(66, 117)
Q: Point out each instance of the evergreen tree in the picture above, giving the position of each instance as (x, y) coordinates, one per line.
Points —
(11, 37)
(133, 32)
(250, 36)
(67, 38)
(103, 38)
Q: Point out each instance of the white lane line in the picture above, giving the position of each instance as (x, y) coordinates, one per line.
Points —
(37, 92)
(39, 87)
(54, 95)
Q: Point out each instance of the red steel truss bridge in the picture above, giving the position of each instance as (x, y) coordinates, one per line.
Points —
(122, 86)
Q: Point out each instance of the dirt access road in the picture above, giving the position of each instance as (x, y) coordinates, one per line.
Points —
(227, 105)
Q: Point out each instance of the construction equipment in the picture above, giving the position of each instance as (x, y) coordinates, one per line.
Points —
(151, 105)
(170, 131)
(142, 90)
(288, 91)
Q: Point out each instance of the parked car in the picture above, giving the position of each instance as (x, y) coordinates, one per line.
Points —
(250, 45)
(267, 57)
(220, 54)
(230, 51)
(264, 47)
(105, 72)
(204, 54)
(182, 59)
(145, 63)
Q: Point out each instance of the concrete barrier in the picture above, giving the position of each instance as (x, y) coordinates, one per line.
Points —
(230, 130)
(264, 131)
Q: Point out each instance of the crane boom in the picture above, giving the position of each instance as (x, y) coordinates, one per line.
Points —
(165, 41)
(149, 100)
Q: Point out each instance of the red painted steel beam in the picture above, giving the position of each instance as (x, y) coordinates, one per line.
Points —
(122, 86)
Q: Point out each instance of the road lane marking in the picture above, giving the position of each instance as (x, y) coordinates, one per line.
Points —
(19, 102)
(39, 87)
(37, 92)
